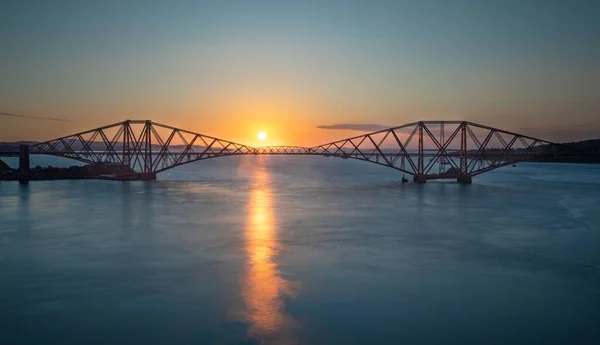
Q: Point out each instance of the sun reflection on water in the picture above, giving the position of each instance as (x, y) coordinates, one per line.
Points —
(263, 289)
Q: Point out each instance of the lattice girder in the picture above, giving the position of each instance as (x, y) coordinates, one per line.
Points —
(426, 149)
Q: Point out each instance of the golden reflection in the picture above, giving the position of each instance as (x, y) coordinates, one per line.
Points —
(263, 289)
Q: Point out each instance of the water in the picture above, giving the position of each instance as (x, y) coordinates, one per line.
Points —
(302, 250)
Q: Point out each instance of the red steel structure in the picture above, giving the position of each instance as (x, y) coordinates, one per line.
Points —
(426, 150)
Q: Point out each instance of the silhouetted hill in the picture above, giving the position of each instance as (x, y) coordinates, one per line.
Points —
(14, 146)
(586, 145)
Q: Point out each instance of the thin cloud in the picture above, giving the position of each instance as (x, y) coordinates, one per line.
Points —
(34, 117)
(355, 127)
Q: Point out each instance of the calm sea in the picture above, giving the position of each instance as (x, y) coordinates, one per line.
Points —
(302, 250)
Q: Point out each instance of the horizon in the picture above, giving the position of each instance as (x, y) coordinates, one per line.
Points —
(361, 129)
(303, 73)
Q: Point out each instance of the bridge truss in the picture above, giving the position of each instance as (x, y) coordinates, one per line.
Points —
(426, 150)
(443, 149)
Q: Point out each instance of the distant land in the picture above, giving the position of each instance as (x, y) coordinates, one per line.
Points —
(590, 153)
(585, 145)
(7, 146)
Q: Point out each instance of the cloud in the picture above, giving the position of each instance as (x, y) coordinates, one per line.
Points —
(34, 117)
(355, 127)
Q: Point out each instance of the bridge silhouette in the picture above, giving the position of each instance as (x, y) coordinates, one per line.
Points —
(425, 150)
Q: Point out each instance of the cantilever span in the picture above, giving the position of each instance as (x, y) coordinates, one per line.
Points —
(426, 150)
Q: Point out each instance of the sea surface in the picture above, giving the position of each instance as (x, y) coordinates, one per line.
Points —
(302, 250)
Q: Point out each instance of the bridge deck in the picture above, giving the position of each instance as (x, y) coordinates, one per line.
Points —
(427, 149)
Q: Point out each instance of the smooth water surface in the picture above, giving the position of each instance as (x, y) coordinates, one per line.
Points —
(303, 250)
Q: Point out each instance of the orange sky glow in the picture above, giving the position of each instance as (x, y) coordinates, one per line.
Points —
(232, 70)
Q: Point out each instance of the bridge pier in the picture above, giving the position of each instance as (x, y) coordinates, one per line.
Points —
(24, 164)
(419, 178)
(464, 179)
(24, 158)
(148, 176)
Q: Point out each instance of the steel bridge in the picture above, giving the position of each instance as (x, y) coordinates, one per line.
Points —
(425, 150)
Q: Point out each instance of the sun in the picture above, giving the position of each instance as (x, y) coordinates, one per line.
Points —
(261, 136)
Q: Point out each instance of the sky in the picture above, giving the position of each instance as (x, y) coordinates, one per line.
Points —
(299, 70)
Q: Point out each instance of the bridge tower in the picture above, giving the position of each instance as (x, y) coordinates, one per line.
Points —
(463, 174)
(420, 176)
(127, 143)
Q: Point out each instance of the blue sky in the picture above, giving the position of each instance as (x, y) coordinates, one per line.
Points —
(225, 67)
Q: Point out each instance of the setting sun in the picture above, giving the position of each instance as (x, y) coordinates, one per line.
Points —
(261, 136)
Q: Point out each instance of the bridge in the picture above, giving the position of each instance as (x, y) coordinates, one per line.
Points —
(425, 150)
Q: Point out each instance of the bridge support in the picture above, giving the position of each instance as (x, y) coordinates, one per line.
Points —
(419, 178)
(24, 164)
(148, 176)
(464, 179)
(24, 158)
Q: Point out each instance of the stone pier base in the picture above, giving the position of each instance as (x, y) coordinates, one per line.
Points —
(147, 176)
(419, 179)
(136, 177)
(464, 179)
(23, 164)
